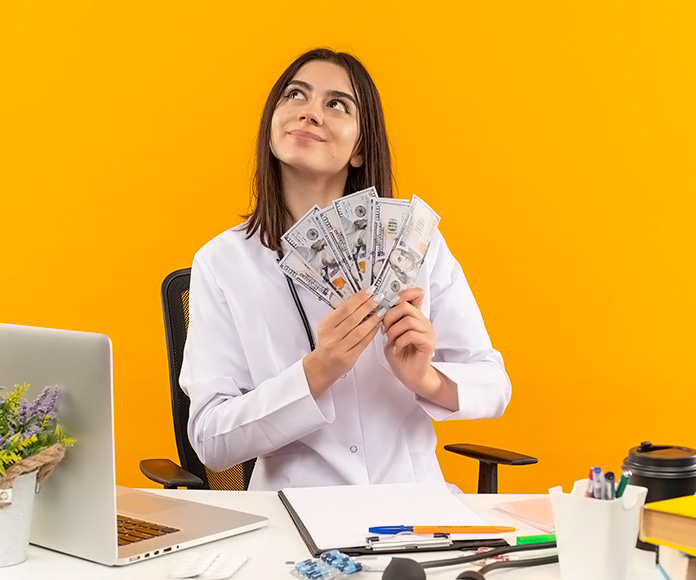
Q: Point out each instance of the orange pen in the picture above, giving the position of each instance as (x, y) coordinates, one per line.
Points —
(442, 529)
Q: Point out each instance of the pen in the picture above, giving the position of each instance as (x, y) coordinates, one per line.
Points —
(609, 489)
(623, 482)
(442, 529)
(588, 491)
(597, 483)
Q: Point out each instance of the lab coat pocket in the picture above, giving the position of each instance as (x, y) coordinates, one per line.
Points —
(277, 471)
(422, 462)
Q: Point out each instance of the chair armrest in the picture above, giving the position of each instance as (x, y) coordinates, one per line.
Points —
(169, 474)
(489, 458)
(491, 454)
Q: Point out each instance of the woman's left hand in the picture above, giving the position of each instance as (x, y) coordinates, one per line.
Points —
(411, 340)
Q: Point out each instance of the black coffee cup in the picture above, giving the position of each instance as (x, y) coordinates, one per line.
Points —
(666, 470)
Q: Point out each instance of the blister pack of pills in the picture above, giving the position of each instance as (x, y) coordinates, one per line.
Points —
(333, 565)
(339, 561)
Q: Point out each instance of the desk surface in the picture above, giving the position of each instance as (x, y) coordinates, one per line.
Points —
(269, 547)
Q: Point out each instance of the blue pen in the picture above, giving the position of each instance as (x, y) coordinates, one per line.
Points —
(597, 483)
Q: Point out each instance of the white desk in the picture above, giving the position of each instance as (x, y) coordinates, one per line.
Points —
(269, 547)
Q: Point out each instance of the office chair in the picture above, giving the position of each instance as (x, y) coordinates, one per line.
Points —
(194, 475)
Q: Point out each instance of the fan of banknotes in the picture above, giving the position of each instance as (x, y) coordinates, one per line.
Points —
(361, 240)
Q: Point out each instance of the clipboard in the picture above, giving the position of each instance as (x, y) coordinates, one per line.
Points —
(318, 512)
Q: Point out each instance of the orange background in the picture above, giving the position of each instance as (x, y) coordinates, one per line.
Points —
(555, 140)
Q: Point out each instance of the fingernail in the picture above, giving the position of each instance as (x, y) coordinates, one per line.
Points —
(394, 300)
(370, 291)
(378, 299)
(381, 312)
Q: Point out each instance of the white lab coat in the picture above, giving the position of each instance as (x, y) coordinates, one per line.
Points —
(243, 371)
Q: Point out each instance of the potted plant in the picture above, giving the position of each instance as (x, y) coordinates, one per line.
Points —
(31, 445)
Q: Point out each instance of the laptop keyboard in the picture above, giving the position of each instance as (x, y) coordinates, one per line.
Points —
(131, 530)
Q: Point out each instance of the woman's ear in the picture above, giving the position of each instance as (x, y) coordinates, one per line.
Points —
(356, 160)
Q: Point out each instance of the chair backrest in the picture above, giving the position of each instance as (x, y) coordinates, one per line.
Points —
(175, 303)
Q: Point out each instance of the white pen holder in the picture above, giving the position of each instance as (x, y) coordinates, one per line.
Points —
(596, 538)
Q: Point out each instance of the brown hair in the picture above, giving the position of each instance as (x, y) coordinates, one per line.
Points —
(269, 214)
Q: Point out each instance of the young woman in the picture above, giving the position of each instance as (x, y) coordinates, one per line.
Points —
(357, 408)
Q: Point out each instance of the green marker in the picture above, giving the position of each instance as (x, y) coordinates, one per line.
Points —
(623, 482)
(536, 539)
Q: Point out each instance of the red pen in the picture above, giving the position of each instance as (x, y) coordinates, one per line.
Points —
(588, 491)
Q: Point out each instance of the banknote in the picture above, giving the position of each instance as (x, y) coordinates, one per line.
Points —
(330, 228)
(406, 256)
(386, 217)
(307, 239)
(358, 241)
(299, 270)
(354, 216)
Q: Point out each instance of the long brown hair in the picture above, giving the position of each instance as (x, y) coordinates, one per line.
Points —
(269, 214)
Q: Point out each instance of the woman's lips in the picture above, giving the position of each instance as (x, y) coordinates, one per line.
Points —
(305, 136)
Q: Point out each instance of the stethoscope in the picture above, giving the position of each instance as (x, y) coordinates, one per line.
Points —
(407, 569)
(300, 308)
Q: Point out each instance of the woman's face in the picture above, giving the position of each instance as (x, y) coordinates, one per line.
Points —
(315, 126)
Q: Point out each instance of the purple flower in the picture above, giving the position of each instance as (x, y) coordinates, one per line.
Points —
(45, 404)
(26, 410)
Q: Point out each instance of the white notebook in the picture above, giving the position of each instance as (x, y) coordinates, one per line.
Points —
(536, 512)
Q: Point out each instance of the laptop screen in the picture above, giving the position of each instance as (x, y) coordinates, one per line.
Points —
(75, 509)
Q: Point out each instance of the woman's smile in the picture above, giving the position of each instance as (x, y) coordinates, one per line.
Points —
(305, 135)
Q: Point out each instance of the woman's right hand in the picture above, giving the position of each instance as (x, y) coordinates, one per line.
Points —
(341, 337)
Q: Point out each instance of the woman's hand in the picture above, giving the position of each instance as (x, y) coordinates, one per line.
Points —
(410, 348)
(341, 337)
(411, 339)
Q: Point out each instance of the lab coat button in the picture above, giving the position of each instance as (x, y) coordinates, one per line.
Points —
(343, 376)
(353, 449)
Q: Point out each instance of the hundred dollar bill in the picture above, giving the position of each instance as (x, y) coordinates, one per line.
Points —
(306, 238)
(406, 257)
(387, 217)
(330, 227)
(294, 266)
(354, 216)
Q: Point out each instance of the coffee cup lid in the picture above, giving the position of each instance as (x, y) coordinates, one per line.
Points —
(661, 460)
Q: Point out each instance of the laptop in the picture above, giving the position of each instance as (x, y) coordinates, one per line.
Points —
(76, 510)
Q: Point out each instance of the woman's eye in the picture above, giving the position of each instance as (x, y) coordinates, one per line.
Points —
(339, 105)
(294, 94)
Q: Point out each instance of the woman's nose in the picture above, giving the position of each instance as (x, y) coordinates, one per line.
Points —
(312, 115)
